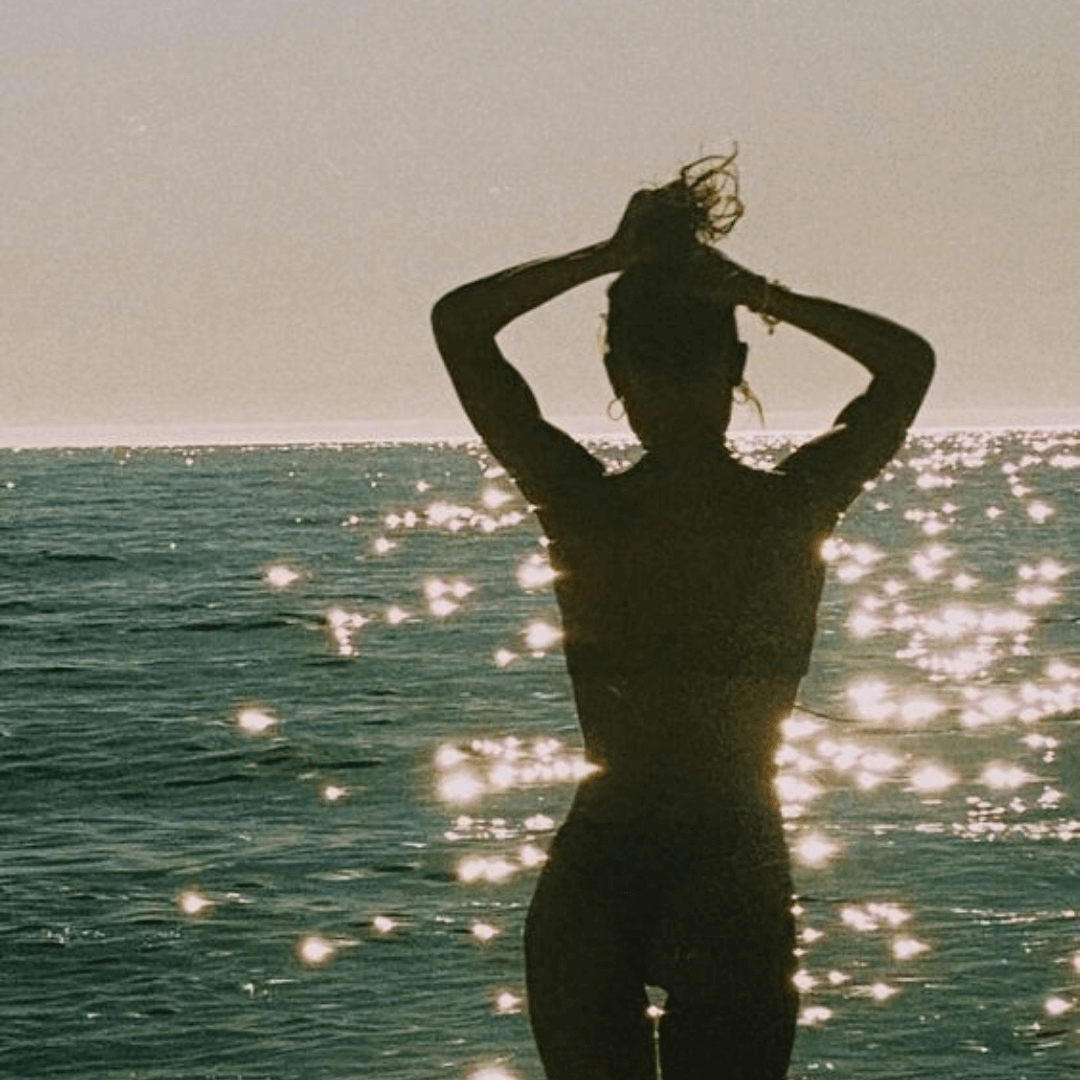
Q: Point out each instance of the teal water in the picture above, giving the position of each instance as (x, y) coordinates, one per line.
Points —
(285, 732)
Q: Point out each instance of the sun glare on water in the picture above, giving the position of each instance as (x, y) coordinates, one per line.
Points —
(252, 721)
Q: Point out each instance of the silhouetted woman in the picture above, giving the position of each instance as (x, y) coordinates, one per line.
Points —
(688, 586)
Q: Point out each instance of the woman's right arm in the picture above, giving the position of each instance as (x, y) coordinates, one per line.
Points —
(899, 360)
(872, 427)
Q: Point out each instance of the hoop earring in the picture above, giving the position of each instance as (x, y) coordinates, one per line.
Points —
(611, 409)
(744, 395)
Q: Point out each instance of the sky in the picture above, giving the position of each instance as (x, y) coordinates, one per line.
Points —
(232, 216)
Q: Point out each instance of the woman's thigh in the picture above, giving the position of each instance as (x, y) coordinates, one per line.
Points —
(727, 949)
(587, 1001)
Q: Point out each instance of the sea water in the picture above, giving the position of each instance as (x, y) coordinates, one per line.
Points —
(285, 732)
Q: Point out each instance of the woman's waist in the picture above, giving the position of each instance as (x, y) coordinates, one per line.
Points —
(751, 831)
(705, 685)
(715, 770)
(713, 651)
(678, 796)
(724, 731)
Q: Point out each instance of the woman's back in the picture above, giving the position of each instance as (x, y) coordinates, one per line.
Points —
(688, 593)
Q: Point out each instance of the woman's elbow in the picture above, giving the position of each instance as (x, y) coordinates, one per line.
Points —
(446, 319)
(904, 382)
(923, 362)
(912, 361)
(456, 324)
(912, 378)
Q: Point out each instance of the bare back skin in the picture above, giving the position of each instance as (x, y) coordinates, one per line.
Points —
(688, 600)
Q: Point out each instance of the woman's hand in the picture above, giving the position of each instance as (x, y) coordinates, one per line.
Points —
(719, 279)
(657, 228)
(653, 228)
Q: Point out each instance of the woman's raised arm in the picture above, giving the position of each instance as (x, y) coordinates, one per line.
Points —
(895, 356)
(900, 361)
(872, 427)
(466, 320)
(497, 400)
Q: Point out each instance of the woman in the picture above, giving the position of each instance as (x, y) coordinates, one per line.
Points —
(688, 587)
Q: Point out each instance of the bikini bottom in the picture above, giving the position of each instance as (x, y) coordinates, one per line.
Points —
(699, 908)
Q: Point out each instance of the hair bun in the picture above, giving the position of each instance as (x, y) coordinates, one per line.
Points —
(705, 195)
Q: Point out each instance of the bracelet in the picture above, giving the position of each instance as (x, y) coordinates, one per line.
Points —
(764, 311)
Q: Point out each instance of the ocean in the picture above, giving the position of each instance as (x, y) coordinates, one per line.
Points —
(285, 731)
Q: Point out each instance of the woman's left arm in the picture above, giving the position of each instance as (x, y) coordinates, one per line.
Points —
(465, 321)
(498, 401)
(836, 466)
(900, 361)
(547, 464)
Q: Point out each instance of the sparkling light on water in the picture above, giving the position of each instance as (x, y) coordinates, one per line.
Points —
(813, 1015)
(532, 856)
(281, 577)
(535, 572)
(498, 765)
(492, 1072)
(461, 787)
(448, 756)
(815, 851)
(871, 699)
(507, 1003)
(444, 597)
(493, 497)
(540, 636)
(477, 868)
(192, 902)
(1002, 777)
(932, 777)
(908, 948)
(1058, 1006)
(343, 627)
(880, 991)
(796, 790)
(874, 915)
(252, 721)
(314, 951)
(396, 615)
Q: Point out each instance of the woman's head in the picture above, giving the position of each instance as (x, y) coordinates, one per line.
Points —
(673, 352)
(660, 323)
(673, 357)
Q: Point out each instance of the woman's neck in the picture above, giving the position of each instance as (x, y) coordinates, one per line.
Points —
(690, 451)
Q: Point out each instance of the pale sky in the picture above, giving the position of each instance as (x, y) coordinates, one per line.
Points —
(237, 213)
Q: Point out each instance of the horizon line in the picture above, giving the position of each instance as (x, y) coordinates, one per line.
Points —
(440, 430)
